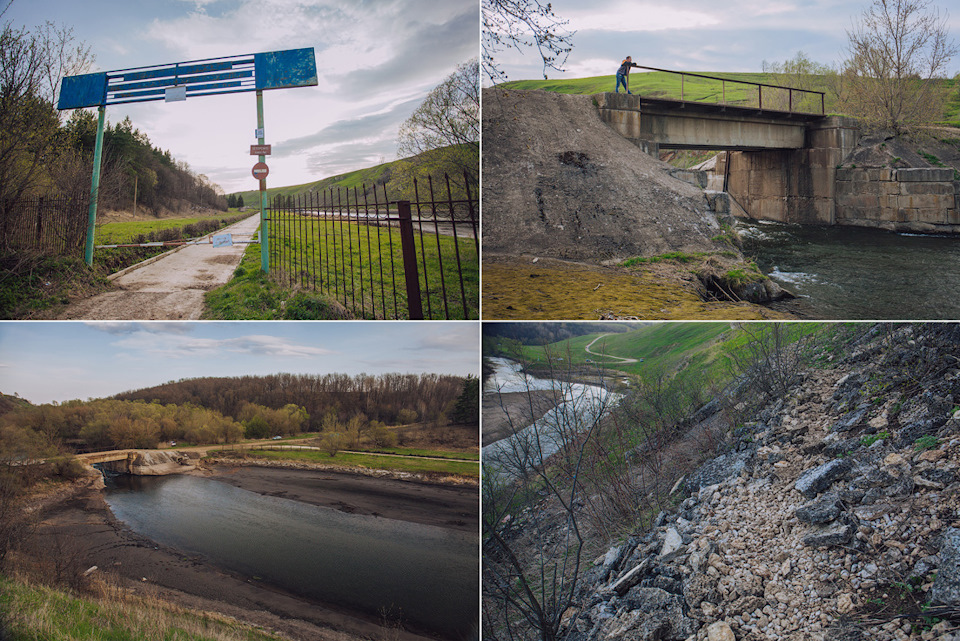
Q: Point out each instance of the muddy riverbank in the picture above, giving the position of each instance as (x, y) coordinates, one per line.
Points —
(81, 527)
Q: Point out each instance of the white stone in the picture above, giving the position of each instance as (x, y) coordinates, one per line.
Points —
(720, 631)
(671, 542)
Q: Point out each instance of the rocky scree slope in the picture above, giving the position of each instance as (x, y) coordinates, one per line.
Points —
(835, 517)
(559, 183)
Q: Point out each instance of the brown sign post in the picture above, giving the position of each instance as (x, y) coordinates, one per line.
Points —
(259, 150)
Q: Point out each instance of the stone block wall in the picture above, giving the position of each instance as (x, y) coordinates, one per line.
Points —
(911, 200)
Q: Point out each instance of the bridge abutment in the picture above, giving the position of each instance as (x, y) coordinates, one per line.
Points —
(793, 185)
(787, 167)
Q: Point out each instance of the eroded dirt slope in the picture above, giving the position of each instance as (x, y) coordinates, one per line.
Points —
(558, 182)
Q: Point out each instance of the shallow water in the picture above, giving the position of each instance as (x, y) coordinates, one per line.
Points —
(859, 273)
(427, 574)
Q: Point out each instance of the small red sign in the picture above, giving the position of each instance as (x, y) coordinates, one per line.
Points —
(260, 170)
(260, 150)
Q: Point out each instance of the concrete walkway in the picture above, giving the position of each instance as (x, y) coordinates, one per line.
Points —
(169, 287)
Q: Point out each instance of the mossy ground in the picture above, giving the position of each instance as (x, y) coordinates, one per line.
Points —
(516, 289)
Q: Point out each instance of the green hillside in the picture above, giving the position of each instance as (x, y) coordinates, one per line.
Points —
(693, 351)
(377, 175)
(395, 175)
(659, 346)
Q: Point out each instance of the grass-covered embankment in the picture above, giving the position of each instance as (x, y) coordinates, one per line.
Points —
(253, 295)
(657, 84)
(30, 612)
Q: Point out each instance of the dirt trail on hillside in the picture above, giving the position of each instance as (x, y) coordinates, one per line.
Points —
(170, 287)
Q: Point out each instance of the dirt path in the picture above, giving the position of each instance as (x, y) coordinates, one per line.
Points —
(170, 287)
(619, 359)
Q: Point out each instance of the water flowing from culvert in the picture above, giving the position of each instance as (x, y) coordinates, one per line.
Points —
(363, 563)
(858, 273)
(580, 406)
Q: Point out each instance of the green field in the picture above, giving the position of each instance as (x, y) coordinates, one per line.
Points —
(362, 267)
(125, 232)
(695, 350)
(658, 84)
(373, 461)
(408, 451)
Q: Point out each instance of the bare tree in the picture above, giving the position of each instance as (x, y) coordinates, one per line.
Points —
(517, 24)
(31, 68)
(535, 477)
(899, 51)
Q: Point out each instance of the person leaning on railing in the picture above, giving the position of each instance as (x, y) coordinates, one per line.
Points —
(623, 74)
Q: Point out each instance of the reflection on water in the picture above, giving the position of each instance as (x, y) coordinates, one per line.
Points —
(361, 562)
(859, 273)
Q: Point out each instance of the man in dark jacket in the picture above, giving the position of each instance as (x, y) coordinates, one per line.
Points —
(623, 74)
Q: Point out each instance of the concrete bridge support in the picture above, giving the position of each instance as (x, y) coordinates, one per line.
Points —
(793, 185)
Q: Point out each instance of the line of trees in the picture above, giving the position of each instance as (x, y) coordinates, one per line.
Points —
(384, 397)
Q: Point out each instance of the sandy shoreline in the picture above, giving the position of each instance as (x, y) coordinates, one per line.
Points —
(510, 411)
(84, 524)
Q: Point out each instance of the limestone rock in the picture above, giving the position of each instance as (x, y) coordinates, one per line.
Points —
(823, 510)
(849, 421)
(650, 613)
(814, 481)
(836, 533)
(672, 543)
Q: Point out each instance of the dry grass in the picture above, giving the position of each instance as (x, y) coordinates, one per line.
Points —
(33, 613)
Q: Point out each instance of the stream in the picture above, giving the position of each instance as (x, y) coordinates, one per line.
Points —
(579, 408)
(858, 273)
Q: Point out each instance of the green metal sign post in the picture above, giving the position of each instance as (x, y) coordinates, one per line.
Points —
(179, 81)
(94, 189)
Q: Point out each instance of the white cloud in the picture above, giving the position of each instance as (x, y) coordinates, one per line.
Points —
(175, 347)
(630, 16)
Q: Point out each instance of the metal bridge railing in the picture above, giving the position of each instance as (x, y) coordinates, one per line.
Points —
(795, 100)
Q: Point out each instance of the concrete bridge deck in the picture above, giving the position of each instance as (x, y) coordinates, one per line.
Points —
(655, 123)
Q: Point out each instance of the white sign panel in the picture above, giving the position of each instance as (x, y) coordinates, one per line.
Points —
(175, 94)
(223, 240)
(258, 133)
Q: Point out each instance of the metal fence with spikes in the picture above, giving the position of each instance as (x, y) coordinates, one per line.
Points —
(381, 258)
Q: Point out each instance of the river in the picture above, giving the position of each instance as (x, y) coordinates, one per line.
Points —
(858, 273)
(579, 408)
(428, 575)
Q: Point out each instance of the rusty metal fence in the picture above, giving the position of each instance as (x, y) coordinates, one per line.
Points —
(379, 258)
(54, 226)
(698, 87)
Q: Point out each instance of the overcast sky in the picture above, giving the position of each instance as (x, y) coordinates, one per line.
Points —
(702, 35)
(376, 61)
(60, 361)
